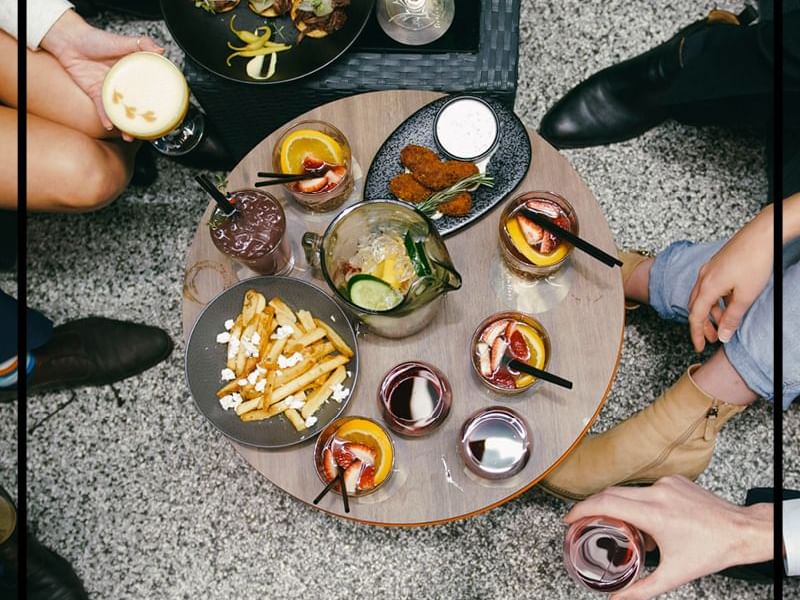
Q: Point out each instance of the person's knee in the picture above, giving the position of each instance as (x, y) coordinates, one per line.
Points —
(97, 176)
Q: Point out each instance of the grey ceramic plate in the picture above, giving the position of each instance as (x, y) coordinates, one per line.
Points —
(205, 359)
(508, 165)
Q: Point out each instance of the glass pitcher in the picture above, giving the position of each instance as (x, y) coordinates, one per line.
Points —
(332, 252)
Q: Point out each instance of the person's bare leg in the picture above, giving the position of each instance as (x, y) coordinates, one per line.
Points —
(51, 92)
(67, 170)
(717, 378)
(637, 286)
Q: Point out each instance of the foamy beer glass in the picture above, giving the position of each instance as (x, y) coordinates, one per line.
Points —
(146, 96)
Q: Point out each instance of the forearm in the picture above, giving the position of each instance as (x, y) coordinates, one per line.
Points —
(791, 218)
(64, 33)
(753, 542)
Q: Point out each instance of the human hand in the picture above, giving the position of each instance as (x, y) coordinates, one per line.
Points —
(736, 274)
(697, 533)
(87, 53)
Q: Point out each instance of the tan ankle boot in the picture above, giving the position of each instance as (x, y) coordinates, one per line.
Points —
(630, 260)
(673, 436)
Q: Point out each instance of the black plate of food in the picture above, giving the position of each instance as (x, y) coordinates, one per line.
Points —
(204, 36)
(301, 362)
(506, 160)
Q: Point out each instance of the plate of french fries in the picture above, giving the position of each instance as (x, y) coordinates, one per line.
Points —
(271, 361)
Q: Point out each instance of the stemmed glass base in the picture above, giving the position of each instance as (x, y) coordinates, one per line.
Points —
(185, 137)
(415, 22)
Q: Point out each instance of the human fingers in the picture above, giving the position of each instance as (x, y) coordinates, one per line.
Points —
(147, 44)
(658, 582)
(709, 331)
(101, 112)
(730, 319)
(698, 316)
(127, 137)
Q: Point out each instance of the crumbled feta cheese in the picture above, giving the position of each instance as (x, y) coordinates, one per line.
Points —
(230, 401)
(223, 338)
(227, 375)
(242, 382)
(296, 402)
(251, 379)
(233, 347)
(261, 384)
(284, 362)
(349, 373)
(261, 370)
(250, 349)
(340, 392)
(311, 421)
(228, 324)
(256, 339)
(282, 332)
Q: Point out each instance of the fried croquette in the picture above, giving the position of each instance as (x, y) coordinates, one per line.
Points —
(458, 206)
(441, 175)
(405, 187)
(415, 157)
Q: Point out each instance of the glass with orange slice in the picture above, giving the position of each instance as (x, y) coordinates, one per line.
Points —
(322, 151)
(505, 336)
(527, 248)
(359, 447)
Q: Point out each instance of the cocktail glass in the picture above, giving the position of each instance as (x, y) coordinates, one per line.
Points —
(324, 200)
(146, 96)
(415, 22)
(603, 554)
(514, 257)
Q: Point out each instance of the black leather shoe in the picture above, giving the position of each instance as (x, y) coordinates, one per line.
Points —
(621, 102)
(145, 171)
(50, 576)
(94, 351)
(210, 154)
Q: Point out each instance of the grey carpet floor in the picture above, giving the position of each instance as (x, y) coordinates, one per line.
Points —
(135, 488)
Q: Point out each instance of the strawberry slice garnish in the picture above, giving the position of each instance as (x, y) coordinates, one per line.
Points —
(518, 346)
(497, 328)
(545, 207)
(312, 163)
(532, 232)
(367, 479)
(484, 356)
(498, 350)
(503, 379)
(329, 466)
(311, 186)
(361, 452)
(549, 243)
(351, 476)
(344, 458)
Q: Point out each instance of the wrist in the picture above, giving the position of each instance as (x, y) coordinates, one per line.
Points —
(64, 33)
(753, 539)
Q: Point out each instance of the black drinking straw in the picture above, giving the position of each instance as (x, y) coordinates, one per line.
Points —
(222, 201)
(346, 500)
(526, 368)
(327, 489)
(573, 239)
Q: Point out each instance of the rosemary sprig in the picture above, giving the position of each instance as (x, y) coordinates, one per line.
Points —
(430, 205)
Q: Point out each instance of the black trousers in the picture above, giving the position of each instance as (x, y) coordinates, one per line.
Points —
(727, 81)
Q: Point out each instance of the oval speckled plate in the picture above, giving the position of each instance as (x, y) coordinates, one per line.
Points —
(205, 359)
(508, 165)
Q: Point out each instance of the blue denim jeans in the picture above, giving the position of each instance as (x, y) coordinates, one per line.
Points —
(750, 351)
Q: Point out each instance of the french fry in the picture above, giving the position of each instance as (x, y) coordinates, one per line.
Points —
(264, 331)
(309, 338)
(228, 388)
(295, 419)
(250, 393)
(247, 406)
(270, 385)
(292, 372)
(250, 364)
(306, 319)
(285, 404)
(281, 309)
(255, 415)
(322, 394)
(298, 384)
(311, 355)
(335, 339)
(250, 305)
(236, 333)
(274, 352)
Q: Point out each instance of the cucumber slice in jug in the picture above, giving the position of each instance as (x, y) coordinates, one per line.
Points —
(372, 293)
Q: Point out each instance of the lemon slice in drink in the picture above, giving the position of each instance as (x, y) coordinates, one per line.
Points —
(304, 142)
(535, 344)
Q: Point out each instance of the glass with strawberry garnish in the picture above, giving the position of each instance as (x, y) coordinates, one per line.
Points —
(358, 447)
(320, 150)
(503, 337)
(528, 249)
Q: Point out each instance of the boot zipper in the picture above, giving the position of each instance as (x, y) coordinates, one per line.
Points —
(680, 440)
(711, 420)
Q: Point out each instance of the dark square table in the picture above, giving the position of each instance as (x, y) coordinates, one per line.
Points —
(479, 53)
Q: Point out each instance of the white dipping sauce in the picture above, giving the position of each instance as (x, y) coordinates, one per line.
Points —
(466, 128)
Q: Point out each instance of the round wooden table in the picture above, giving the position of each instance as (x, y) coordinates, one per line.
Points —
(582, 309)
